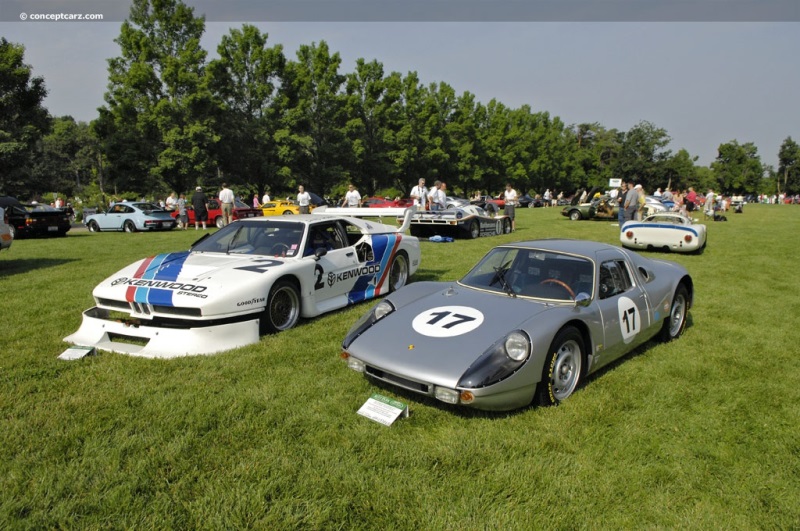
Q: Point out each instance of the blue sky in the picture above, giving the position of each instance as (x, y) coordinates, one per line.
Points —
(706, 83)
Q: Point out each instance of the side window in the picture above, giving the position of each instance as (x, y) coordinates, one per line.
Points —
(326, 236)
(614, 278)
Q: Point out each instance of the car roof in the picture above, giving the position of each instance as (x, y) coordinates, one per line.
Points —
(582, 247)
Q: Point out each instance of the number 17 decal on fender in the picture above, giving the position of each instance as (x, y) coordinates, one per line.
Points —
(447, 321)
(630, 320)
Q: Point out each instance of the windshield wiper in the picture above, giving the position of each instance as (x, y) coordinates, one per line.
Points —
(235, 235)
(500, 274)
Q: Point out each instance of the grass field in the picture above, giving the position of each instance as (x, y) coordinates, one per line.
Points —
(703, 432)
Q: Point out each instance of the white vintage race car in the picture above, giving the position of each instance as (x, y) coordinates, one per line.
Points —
(470, 221)
(669, 231)
(251, 277)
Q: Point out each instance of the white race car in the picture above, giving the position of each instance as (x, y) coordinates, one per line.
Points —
(670, 231)
(251, 277)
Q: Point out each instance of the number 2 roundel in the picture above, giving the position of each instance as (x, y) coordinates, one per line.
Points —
(447, 321)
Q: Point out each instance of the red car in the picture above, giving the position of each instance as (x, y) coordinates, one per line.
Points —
(240, 211)
(380, 202)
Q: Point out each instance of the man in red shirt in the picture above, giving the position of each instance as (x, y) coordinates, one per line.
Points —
(690, 200)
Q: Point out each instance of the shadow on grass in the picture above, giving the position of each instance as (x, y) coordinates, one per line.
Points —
(14, 267)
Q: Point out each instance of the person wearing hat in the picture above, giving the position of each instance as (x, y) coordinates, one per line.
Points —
(200, 207)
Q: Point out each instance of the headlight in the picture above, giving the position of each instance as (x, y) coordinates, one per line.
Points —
(517, 346)
(381, 310)
(499, 362)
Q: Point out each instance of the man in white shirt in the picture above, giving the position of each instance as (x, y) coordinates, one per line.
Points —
(226, 202)
(436, 197)
(265, 199)
(510, 197)
(352, 198)
(419, 194)
(303, 200)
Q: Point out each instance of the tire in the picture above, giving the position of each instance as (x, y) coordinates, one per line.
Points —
(128, 226)
(506, 226)
(288, 213)
(218, 222)
(675, 322)
(398, 272)
(575, 215)
(563, 369)
(93, 226)
(474, 229)
(283, 308)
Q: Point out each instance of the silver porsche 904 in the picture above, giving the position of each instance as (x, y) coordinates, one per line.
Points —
(525, 325)
(251, 277)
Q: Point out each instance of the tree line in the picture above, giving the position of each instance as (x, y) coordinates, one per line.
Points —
(253, 117)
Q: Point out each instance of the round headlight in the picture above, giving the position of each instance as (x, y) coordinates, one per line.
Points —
(517, 346)
(382, 309)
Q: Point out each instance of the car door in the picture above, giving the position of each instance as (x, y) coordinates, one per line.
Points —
(624, 307)
(112, 219)
(337, 270)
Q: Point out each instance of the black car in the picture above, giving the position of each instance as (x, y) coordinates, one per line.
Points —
(34, 219)
(526, 201)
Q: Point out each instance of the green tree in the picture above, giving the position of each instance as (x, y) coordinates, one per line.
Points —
(408, 148)
(642, 155)
(67, 158)
(248, 82)
(678, 172)
(316, 145)
(371, 107)
(157, 127)
(23, 120)
(788, 175)
(738, 168)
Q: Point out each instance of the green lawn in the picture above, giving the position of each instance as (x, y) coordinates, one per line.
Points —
(703, 432)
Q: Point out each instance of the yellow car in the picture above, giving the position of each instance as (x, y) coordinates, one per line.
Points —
(280, 208)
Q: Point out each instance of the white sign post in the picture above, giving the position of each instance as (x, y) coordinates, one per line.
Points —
(383, 409)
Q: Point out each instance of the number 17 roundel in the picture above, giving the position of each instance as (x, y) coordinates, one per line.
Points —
(447, 321)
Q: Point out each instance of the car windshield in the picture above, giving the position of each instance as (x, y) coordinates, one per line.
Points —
(266, 238)
(532, 273)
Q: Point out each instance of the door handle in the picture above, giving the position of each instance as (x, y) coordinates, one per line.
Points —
(350, 253)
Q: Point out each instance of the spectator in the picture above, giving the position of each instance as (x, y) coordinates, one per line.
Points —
(303, 200)
(690, 200)
(265, 199)
(183, 217)
(510, 197)
(200, 207)
(419, 194)
(641, 202)
(436, 197)
(352, 198)
(172, 202)
(256, 202)
(226, 200)
(631, 201)
(621, 204)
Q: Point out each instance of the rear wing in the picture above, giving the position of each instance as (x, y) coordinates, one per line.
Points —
(405, 213)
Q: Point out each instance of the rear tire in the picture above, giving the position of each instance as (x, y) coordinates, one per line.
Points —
(474, 229)
(283, 308)
(128, 226)
(288, 213)
(563, 369)
(675, 322)
(218, 222)
(506, 226)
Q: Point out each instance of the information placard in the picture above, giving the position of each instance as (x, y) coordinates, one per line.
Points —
(383, 409)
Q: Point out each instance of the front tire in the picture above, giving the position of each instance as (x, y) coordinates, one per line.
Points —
(563, 368)
(288, 213)
(675, 322)
(93, 226)
(283, 308)
(128, 226)
(398, 274)
(506, 226)
(575, 215)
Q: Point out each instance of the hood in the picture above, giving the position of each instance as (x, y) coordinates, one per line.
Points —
(437, 337)
(218, 283)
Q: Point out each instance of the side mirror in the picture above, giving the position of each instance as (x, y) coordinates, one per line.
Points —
(582, 299)
(319, 252)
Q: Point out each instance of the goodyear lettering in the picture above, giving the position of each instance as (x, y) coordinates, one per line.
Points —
(160, 284)
(251, 302)
(333, 278)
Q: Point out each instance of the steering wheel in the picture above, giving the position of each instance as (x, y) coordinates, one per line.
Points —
(559, 283)
(279, 245)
